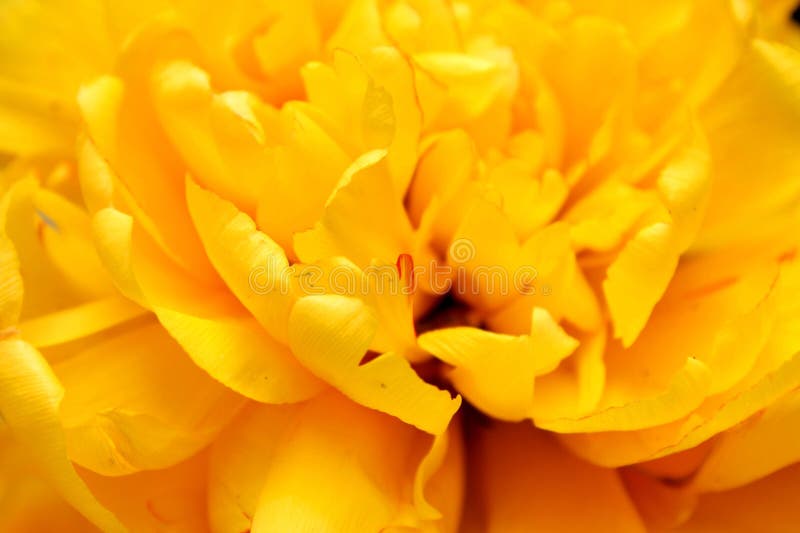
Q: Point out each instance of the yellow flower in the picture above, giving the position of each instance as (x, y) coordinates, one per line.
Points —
(399, 265)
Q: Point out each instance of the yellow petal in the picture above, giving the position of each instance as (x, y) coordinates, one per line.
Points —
(191, 114)
(439, 480)
(766, 505)
(618, 448)
(724, 319)
(67, 238)
(527, 482)
(494, 372)
(36, 100)
(591, 70)
(661, 505)
(217, 333)
(443, 176)
(245, 454)
(11, 284)
(28, 501)
(26, 126)
(359, 28)
(330, 335)
(80, 321)
(469, 89)
(292, 40)
(600, 220)
(307, 168)
(760, 446)
(364, 219)
(252, 265)
(237, 352)
(752, 124)
(29, 401)
(497, 372)
(113, 231)
(530, 203)
(335, 442)
(377, 86)
(486, 251)
(391, 117)
(576, 387)
(239, 461)
(384, 288)
(542, 272)
(638, 277)
(422, 25)
(122, 125)
(686, 392)
(49, 286)
(172, 499)
(158, 410)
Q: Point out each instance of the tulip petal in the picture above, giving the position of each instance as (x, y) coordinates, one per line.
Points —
(213, 328)
(34, 504)
(78, 322)
(576, 387)
(240, 459)
(10, 281)
(337, 441)
(439, 481)
(168, 499)
(494, 372)
(686, 392)
(190, 113)
(766, 505)
(638, 277)
(270, 451)
(760, 446)
(308, 165)
(377, 87)
(752, 124)
(26, 126)
(122, 125)
(497, 372)
(364, 219)
(158, 410)
(442, 185)
(529, 483)
(237, 352)
(330, 335)
(239, 251)
(616, 448)
(49, 286)
(29, 402)
(113, 232)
